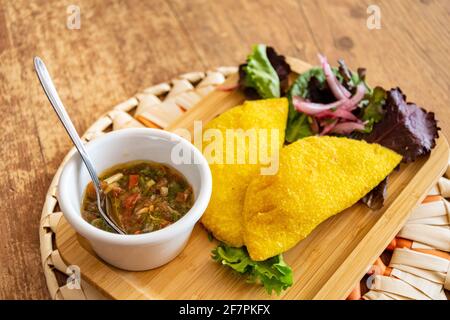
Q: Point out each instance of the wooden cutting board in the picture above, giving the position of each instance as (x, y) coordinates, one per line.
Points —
(326, 265)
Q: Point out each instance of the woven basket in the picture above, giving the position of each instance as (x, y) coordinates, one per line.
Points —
(157, 106)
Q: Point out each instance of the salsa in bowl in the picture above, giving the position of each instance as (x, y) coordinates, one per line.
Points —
(145, 196)
(141, 148)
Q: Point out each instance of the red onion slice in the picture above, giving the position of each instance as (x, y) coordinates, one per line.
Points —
(328, 127)
(227, 88)
(338, 113)
(352, 103)
(335, 86)
(347, 127)
(311, 108)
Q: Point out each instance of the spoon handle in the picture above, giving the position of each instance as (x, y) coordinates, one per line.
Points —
(55, 101)
(52, 95)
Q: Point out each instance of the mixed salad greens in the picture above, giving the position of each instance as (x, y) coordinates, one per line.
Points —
(328, 100)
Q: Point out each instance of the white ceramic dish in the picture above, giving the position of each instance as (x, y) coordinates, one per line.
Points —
(145, 251)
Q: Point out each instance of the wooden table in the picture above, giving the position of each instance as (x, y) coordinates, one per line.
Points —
(125, 46)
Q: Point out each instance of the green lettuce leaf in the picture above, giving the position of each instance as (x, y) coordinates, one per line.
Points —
(274, 274)
(298, 123)
(373, 111)
(260, 74)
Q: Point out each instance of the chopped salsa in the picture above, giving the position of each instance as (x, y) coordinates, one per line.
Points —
(145, 196)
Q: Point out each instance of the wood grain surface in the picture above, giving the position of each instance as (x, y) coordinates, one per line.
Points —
(125, 46)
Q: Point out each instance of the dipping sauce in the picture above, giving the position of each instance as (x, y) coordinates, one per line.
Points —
(145, 196)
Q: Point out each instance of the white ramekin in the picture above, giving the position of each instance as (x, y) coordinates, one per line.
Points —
(145, 251)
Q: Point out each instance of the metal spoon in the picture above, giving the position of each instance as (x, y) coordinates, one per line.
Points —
(103, 202)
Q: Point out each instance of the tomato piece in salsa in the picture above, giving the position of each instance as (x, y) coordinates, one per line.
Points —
(145, 196)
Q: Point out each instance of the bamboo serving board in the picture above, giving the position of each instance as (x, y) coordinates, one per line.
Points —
(326, 265)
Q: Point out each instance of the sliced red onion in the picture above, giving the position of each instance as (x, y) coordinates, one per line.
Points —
(311, 108)
(347, 127)
(336, 87)
(338, 113)
(344, 91)
(227, 88)
(352, 103)
(328, 127)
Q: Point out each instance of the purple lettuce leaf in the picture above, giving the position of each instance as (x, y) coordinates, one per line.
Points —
(406, 128)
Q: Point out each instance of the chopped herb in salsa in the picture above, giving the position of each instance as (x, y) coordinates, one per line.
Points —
(145, 196)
